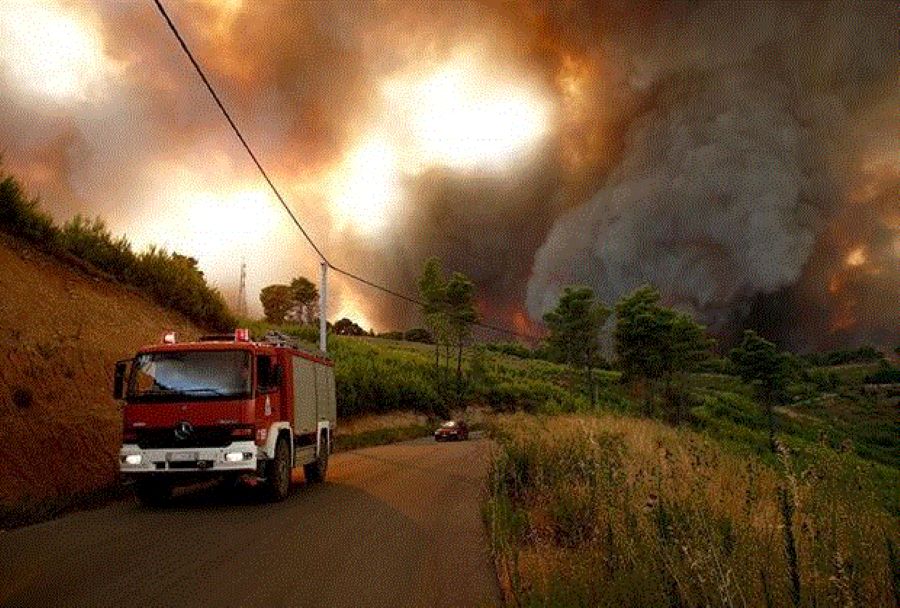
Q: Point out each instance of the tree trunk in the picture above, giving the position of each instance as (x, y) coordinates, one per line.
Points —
(770, 419)
(459, 374)
(590, 383)
(770, 415)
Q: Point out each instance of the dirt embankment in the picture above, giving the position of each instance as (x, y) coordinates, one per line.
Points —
(61, 331)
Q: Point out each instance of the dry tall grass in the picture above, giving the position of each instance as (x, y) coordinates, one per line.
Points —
(615, 511)
(379, 422)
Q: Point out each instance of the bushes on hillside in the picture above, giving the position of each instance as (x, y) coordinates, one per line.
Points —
(514, 349)
(368, 383)
(863, 354)
(171, 279)
(886, 374)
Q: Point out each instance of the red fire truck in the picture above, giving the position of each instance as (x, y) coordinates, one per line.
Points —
(225, 406)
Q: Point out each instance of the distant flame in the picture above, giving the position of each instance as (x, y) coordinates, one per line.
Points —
(844, 317)
(523, 324)
(856, 258)
(835, 284)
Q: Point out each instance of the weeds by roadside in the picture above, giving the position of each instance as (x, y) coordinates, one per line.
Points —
(367, 439)
(613, 511)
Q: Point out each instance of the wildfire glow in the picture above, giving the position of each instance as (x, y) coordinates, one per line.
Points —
(348, 309)
(49, 50)
(456, 114)
(365, 186)
(216, 227)
(856, 258)
(461, 115)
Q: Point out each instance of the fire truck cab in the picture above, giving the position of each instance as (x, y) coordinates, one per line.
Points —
(226, 407)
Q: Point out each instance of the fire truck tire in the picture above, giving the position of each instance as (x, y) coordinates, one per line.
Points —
(278, 485)
(153, 492)
(316, 470)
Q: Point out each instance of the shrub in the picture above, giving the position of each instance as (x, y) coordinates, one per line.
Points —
(418, 334)
(823, 379)
(23, 216)
(171, 279)
(886, 374)
(863, 354)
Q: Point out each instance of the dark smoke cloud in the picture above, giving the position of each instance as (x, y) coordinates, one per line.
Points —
(735, 167)
(733, 154)
(485, 226)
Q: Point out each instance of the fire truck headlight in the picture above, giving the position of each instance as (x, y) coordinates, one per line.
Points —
(237, 456)
(133, 459)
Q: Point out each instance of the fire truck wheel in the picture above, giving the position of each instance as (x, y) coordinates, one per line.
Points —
(153, 492)
(279, 477)
(315, 471)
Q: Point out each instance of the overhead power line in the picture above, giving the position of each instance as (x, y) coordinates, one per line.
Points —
(237, 131)
(319, 252)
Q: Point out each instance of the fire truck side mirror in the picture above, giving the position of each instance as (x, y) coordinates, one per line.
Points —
(119, 379)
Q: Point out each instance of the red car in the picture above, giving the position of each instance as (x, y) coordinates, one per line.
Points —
(452, 430)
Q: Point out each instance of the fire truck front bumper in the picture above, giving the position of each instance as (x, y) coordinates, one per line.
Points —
(240, 456)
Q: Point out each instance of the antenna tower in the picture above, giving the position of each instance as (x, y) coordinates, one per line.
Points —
(242, 292)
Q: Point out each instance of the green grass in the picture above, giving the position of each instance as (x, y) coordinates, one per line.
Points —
(377, 375)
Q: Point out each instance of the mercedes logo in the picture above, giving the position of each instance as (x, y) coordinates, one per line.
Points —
(183, 430)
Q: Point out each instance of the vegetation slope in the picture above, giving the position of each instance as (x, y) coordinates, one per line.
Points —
(61, 331)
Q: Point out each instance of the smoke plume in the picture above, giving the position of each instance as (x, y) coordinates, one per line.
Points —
(739, 156)
(751, 124)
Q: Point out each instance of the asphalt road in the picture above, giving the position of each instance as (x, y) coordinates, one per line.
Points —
(395, 526)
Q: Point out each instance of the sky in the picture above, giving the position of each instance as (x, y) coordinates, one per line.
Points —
(742, 157)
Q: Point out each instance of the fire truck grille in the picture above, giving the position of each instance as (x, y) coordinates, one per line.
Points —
(200, 437)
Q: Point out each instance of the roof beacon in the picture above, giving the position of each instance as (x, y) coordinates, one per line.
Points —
(169, 338)
(242, 335)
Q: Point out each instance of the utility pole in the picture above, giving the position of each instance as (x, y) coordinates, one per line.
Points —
(323, 300)
(242, 292)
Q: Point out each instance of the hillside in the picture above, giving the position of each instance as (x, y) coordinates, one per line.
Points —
(61, 331)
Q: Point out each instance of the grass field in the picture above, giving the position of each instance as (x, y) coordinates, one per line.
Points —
(613, 505)
(609, 510)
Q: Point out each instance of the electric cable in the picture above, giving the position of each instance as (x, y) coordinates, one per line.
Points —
(319, 252)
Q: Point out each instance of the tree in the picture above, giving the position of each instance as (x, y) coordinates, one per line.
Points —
(346, 327)
(575, 326)
(391, 335)
(305, 299)
(460, 300)
(418, 334)
(656, 342)
(433, 291)
(759, 363)
(653, 341)
(276, 301)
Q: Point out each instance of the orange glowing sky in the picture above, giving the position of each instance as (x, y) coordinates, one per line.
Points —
(472, 130)
(459, 109)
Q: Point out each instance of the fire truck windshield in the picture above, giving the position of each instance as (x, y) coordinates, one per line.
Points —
(193, 374)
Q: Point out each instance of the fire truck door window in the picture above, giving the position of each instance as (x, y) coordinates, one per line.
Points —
(264, 373)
